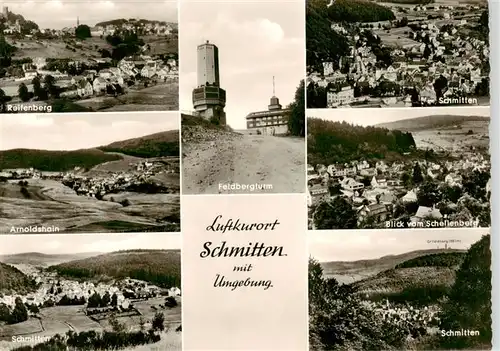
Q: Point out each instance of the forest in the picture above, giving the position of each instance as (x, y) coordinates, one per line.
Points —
(331, 142)
(159, 267)
(53, 161)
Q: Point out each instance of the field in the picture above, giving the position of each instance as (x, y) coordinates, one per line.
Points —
(396, 37)
(454, 138)
(60, 319)
(50, 203)
(88, 48)
(161, 97)
(445, 133)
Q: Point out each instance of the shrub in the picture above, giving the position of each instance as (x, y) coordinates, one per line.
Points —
(125, 202)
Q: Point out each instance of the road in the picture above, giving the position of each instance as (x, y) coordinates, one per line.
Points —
(275, 164)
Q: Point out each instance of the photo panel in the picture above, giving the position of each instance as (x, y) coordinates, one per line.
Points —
(397, 53)
(418, 168)
(400, 289)
(242, 97)
(90, 292)
(89, 173)
(89, 56)
(244, 266)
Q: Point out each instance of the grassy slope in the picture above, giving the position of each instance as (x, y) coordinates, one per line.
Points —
(154, 145)
(431, 122)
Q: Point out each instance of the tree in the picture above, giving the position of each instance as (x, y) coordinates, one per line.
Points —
(38, 91)
(417, 174)
(4, 313)
(429, 194)
(50, 86)
(117, 326)
(336, 214)
(82, 32)
(20, 313)
(94, 300)
(338, 320)
(23, 92)
(158, 322)
(114, 300)
(6, 51)
(3, 99)
(440, 85)
(106, 299)
(469, 302)
(296, 120)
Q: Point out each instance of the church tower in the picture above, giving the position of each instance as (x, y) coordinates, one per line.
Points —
(77, 21)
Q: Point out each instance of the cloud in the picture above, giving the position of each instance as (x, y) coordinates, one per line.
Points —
(27, 120)
(271, 30)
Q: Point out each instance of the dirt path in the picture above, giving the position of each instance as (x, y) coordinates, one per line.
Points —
(270, 164)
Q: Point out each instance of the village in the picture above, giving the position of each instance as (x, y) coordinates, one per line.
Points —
(403, 193)
(53, 290)
(137, 178)
(108, 61)
(425, 57)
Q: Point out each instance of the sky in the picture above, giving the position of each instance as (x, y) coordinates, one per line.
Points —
(361, 116)
(353, 245)
(80, 131)
(256, 41)
(56, 244)
(57, 14)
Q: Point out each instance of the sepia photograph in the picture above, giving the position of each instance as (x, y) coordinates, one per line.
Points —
(90, 173)
(242, 97)
(88, 56)
(400, 290)
(417, 168)
(397, 53)
(90, 292)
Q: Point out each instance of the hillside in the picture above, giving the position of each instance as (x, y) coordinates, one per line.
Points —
(161, 267)
(381, 264)
(422, 277)
(213, 155)
(340, 142)
(13, 280)
(359, 11)
(55, 161)
(122, 21)
(154, 145)
(431, 122)
(40, 259)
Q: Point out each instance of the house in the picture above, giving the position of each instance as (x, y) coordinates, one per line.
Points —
(316, 194)
(105, 73)
(343, 97)
(410, 197)
(99, 85)
(85, 89)
(174, 291)
(426, 213)
(378, 182)
(148, 71)
(351, 184)
(453, 180)
(376, 212)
